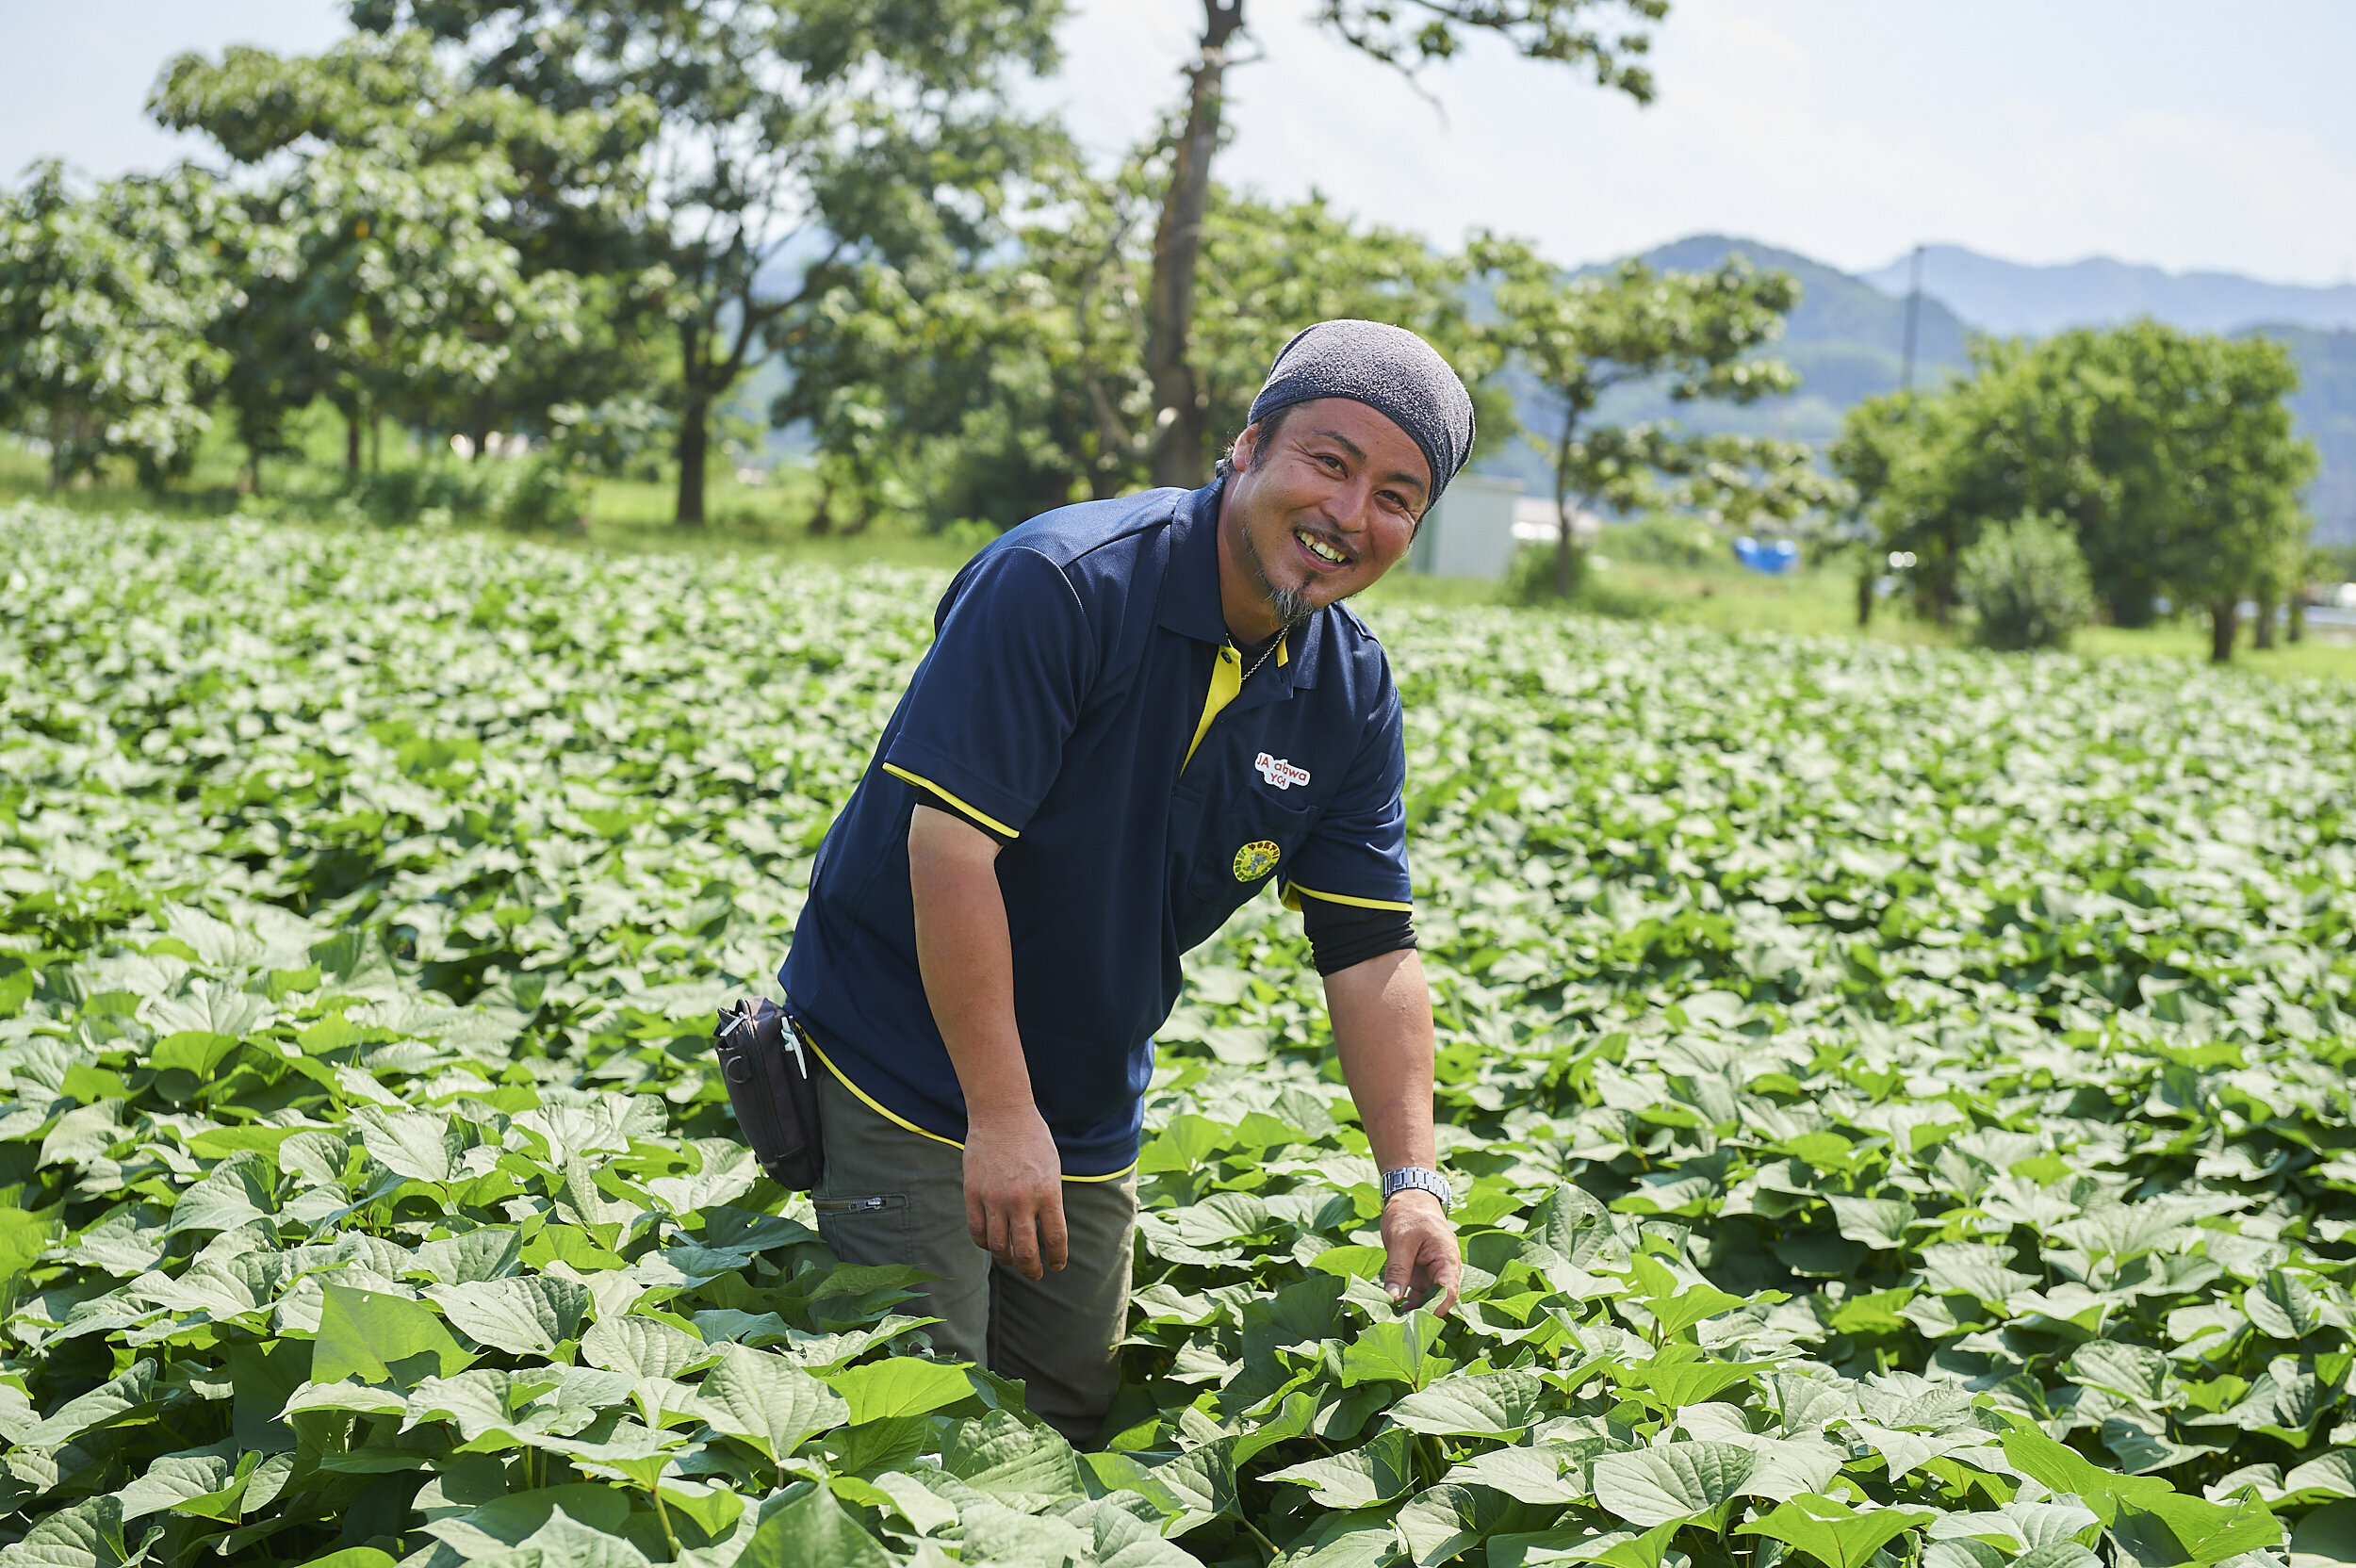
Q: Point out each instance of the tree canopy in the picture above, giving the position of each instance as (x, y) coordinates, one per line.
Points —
(2170, 454)
(789, 142)
(1405, 34)
(1701, 334)
(103, 303)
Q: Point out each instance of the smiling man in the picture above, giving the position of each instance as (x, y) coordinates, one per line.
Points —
(1135, 715)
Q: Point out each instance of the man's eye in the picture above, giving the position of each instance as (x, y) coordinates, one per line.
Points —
(1331, 461)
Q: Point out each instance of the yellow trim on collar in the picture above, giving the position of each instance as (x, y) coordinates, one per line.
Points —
(1226, 681)
(1294, 890)
(898, 1120)
(978, 815)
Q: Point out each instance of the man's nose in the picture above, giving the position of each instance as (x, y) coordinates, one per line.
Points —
(1357, 504)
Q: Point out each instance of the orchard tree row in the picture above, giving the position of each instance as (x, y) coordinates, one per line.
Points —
(593, 221)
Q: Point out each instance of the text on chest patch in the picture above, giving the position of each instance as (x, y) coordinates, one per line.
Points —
(1278, 772)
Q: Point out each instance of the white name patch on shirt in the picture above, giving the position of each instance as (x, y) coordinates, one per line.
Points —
(1278, 772)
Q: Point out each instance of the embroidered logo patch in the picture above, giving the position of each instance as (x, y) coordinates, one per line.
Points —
(1255, 860)
(1278, 772)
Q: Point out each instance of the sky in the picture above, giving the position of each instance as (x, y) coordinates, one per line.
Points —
(2186, 136)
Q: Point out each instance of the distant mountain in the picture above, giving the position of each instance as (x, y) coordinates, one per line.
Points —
(1847, 339)
(1847, 336)
(2012, 299)
(2325, 409)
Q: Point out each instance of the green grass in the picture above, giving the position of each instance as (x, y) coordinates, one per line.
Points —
(2316, 655)
(1824, 603)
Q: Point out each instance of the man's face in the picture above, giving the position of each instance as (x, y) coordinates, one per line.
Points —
(1319, 511)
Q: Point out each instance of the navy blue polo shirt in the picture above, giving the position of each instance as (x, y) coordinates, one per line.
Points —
(1082, 702)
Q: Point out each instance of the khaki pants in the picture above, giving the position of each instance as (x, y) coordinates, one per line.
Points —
(891, 1196)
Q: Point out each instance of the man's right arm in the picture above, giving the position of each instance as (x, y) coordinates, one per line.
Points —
(1013, 1177)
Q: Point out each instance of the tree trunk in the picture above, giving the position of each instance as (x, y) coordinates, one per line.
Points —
(2262, 634)
(352, 439)
(1566, 562)
(694, 449)
(1865, 578)
(1179, 411)
(2296, 630)
(2224, 616)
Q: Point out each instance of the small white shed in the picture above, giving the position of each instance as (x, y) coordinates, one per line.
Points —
(1470, 531)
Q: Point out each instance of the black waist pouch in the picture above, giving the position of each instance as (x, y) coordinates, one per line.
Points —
(772, 1086)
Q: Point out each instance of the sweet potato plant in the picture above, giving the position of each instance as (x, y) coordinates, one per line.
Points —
(1900, 1100)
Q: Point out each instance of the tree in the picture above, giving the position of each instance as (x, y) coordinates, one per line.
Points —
(1895, 453)
(103, 301)
(998, 391)
(457, 255)
(2170, 454)
(2179, 447)
(1699, 332)
(1404, 34)
(795, 140)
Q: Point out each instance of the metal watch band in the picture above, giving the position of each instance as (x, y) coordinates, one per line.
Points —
(1396, 1182)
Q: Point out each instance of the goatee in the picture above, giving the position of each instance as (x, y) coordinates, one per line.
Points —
(1292, 605)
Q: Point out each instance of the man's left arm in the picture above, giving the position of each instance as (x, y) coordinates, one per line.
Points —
(1382, 1013)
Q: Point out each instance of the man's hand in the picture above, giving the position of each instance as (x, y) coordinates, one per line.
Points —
(1420, 1251)
(1382, 1013)
(1014, 1192)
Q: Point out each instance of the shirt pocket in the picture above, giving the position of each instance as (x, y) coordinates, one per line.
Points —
(1256, 838)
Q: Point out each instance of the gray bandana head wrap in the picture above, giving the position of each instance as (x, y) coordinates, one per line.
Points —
(1389, 369)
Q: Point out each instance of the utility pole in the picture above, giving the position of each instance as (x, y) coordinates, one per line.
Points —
(1914, 312)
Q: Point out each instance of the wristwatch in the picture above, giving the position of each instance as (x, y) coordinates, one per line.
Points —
(1420, 1180)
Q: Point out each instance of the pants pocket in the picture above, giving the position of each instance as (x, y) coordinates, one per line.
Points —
(870, 1229)
(880, 1203)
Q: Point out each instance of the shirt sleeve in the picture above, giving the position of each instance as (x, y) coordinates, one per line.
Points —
(1357, 853)
(983, 725)
(1342, 936)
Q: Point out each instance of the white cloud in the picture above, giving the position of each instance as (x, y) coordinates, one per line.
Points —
(1849, 133)
(74, 78)
(2150, 130)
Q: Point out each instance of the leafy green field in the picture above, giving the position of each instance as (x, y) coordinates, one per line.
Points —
(1901, 1096)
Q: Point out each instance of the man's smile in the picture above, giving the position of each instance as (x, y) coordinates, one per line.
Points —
(1323, 549)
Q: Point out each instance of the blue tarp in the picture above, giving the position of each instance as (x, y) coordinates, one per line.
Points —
(1774, 557)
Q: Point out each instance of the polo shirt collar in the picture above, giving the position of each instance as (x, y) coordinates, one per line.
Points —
(1189, 599)
(1189, 602)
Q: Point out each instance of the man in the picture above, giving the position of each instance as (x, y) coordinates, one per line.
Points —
(1136, 714)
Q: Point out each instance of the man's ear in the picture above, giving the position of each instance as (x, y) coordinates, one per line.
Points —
(1248, 446)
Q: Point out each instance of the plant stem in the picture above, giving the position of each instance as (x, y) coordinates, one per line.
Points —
(663, 1514)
